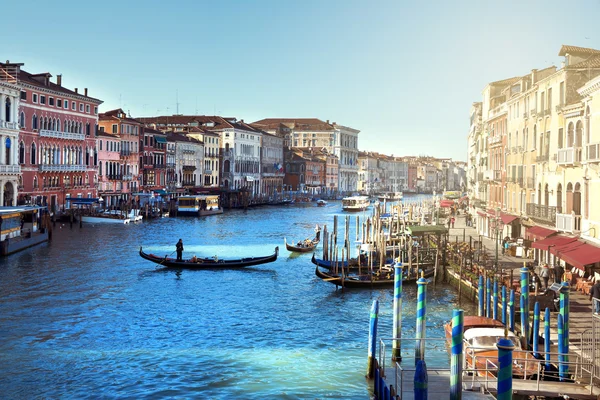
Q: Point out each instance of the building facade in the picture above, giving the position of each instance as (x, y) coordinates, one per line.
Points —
(272, 171)
(10, 150)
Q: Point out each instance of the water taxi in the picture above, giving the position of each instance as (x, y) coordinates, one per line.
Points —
(22, 227)
(355, 203)
(390, 196)
(199, 205)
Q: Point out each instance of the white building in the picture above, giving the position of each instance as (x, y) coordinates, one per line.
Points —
(10, 170)
(346, 149)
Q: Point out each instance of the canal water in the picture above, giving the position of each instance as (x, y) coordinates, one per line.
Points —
(85, 317)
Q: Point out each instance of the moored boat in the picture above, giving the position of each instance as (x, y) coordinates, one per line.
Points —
(209, 262)
(305, 246)
(321, 203)
(22, 227)
(385, 278)
(355, 203)
(113, 217)
(199, 205)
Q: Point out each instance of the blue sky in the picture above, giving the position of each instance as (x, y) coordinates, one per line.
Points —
(403, 72)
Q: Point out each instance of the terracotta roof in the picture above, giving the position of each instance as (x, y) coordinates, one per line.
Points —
(508, 81)
(114, 114)
(26, 77)
(152, 131)
(565, 49)
(176, 137)
(593, 62)
(297, 124)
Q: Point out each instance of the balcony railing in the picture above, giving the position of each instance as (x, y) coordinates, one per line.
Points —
(61, 135)
(568, 222)
(497, 175)
(160, 166)
(128, 177)
(530, 183)
(569, 156)
(10, 169)
(61, 168)
(479, 176)
(115, 177)
(542, 157)
(543, 214)
(9, 125)
(125, 153)
(533, 113)
(525, 115)
(593, 152)
(547, 112)
(520, 180)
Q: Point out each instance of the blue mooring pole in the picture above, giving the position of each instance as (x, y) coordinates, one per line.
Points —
(456, 359)
(525, 305)
(536, 329)
(481, 310)
(562, 367)
(547, 338)
(505, 364)
(397, 330)
(372, 338)
(421, 381)
(511, 310)
(504, 305)
(564, 311)
(421, 315)
(488, 297)
(495, 309)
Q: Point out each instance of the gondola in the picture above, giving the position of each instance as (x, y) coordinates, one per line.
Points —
(307, 246)
(385, 279)
(210, 262)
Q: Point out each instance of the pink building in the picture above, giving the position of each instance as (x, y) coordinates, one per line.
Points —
(110, 169)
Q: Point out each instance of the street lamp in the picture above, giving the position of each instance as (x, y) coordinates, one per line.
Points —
(497, 226)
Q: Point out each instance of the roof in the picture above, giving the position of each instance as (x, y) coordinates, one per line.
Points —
(539, 232)
(507, 218)
(419, 230)
(508, 81)
(566, 49)
(297, 124)
(26, 77)
(119, 114)
(581, 256)
(592, 62)
(552, 241)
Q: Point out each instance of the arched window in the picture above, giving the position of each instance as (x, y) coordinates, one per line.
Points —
(100, 167)
(34, 122)
(21, 153)
(87, 129)
(35, 182)
(570, 135)
(22, 120)
(534, 141)
(559, 198)
(8, 109)
(7, 145)
(578, 134)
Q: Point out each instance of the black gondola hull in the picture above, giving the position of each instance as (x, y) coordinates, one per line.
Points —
(209, 263)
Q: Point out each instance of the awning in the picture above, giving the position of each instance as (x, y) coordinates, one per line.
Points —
(160, 139)
(581, 256)
(538, 232)
(507, 218)
(482, 214)
(447, 203)
(558, 240)
(161, 192)
(558, 250)
(84, 200)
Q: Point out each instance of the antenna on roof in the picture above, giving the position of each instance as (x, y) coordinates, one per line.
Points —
(177, 100)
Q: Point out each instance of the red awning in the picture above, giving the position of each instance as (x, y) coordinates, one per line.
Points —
(538, 232)
(507, 218)
(557, 241)
(581, 256)
(447, 203)
(558, 250)
(482, 214)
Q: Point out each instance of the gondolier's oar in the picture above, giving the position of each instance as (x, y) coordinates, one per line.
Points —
(164, 259)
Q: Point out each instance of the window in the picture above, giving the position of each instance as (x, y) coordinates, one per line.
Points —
(96, 110)
(115, 128)
(67, 104)
(59, 103)
(73, 106)
(100, 144)
(33, 154)
(22, 120)
(34, 97)
(80, 107)
(42, 99)
(34, 122)
(51, 101)
(24, 95)
(87, 108)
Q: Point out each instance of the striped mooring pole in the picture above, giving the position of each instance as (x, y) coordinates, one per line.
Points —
(525, 305)
(495, 309)
(547, 338)
(372, 338)
(504, 305)
(397, 330)
(481, 310)
(456, 359)
(564, 311)
(488, 297)
(536, 329)
(421, 381)
(505, 371)
(562, 367)
(511, 311)
(421, 314)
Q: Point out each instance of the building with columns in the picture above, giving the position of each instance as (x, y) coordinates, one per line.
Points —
(346, 149)
(57, 142)
(10, 170)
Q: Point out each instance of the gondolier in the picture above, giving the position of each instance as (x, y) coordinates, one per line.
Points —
(179, 249)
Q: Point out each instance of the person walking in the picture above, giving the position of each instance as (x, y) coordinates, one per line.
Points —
(558, 273)
(452, 221)
(595, 297)
(545, 275)
(179, 249)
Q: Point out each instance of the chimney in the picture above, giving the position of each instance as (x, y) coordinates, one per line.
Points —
(85, 92)
(533, 75)
(59, 80)
(76, 90)
(328, 121)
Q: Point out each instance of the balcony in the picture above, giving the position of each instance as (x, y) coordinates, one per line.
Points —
(125, 153)
(543, 214)
(559, 108)
(10, 169)
(542, 158)
(533, 113)
(593, 152)
(171, 165)
(530, 183)
(9, 125)
(208, 172)
(547, 112)
(568, 222)
(61, 135)
(480, 177)
(520, 180)
(62, 168)
(189, 168)
(488, 175)
(115, 177)
(497, 175)
(159, 166)
(493, 140)
(569, 156)
(525, 116)
(128, 177)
